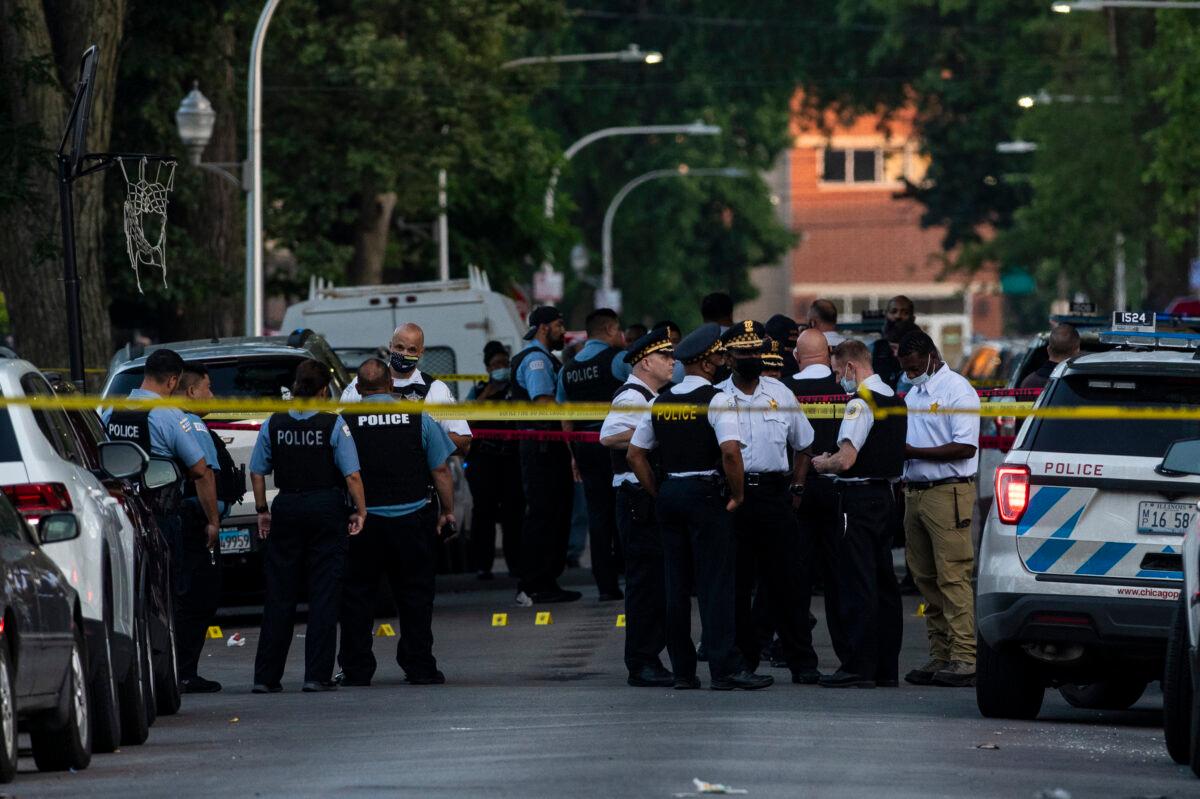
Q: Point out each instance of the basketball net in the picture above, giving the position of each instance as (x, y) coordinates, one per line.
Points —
(146, 205)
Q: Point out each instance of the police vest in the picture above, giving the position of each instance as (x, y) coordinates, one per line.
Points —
(825, 430)
(517, 392)
(130, 426)
(685, 438)
(302, 452)
(391, 456)
(882, 454)
(591, 381)
(617, 456)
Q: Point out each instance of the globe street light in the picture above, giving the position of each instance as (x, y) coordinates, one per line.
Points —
(194, 120)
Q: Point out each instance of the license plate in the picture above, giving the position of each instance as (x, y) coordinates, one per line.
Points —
(235, 541)
(1166, 518)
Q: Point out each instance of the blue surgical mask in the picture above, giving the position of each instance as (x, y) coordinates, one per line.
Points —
(923, 378)
(500, 375)
(404, 363)
(849, 385)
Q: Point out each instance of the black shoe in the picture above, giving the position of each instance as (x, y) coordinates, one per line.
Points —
(611, 596)
(686, 683)
(436, 678)
(555, 595)
(743, 680)
(806, 677)
(845, 679)
(341, 679)
(316, 687)
(199, 685)
(651, 677)
(262, 688)
(702, 653)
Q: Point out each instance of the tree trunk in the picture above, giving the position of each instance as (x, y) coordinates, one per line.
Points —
(371, 238)
(40, 46)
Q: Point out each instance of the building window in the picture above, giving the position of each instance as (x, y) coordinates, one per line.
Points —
(866, 166)
(861, 166)
(835, 166)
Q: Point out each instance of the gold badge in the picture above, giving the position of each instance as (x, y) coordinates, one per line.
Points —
(772, 404)
(749, 325)
(933, 408)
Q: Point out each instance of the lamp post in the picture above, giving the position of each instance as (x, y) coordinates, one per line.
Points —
(1099, 5)
(630, 55)
(606, 276)
(194, 120)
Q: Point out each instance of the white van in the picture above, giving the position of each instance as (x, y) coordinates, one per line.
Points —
(458, 317)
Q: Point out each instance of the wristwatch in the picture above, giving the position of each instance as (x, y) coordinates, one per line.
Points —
(796, 489)
(261, 509)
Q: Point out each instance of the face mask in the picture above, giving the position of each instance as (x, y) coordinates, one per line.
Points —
(849, 385)
(721, 374)
(500, 375)
(923, 378)
(404, 363)
(748, 368)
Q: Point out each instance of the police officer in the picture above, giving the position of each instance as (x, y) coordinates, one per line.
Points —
(769, 423)
(785, 330)
(401, 454)
(166, 432)
(772, 358)
(652, 360)
(694, 427)
(594, 375)
(869, 458)
(315, 463)
(545, 467)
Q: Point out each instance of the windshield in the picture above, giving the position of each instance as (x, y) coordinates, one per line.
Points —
(247, 377)
(1142, 438)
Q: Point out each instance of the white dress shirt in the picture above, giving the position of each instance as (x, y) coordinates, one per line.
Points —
(769, 419)
(814, 371)
(720, 417)
(859, 419)
(438, 394)
(629, 408)
(947, 390)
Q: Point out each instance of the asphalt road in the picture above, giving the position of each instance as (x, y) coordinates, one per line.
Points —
(543, 711)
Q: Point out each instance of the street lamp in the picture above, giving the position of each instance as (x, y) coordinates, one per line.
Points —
(194, 120)
(1099, 5)
(630, 55)
(606, 292)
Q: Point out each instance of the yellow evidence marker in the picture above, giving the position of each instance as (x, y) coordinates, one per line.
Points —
(215, 632)
(620, 619)
(499, 619)
(920, 610)
(542, 618)
(385, 631)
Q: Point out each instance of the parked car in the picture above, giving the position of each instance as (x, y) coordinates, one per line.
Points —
(239, 367)
(43, 656)
(44, 472)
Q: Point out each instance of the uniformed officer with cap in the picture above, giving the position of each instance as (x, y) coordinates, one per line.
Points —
(401, 454)
(772, 358)
(652, 359)
(868, 460)
(696, 432)
(775, 438)
(315, 463)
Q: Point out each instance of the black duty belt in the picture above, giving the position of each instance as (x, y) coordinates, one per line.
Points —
(925, 485)
(767, 479)
(870, 481)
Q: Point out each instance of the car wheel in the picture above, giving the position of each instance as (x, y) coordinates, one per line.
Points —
(106, 706)
(167, 675)
(1177, 689)
(1007, 684)
(135, 725)
(1104, 695)
(8, 717)
(69, 747)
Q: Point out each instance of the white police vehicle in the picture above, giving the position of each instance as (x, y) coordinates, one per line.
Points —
(1079, 563)
(1181, 677)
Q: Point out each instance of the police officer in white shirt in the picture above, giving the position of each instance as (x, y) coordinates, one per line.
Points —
(653, 359)
(769, 423)
(939, 496)
(868, 459)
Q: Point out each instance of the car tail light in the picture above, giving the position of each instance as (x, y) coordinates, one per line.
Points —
(35, 500)
(1012, 493)
(1049, 617)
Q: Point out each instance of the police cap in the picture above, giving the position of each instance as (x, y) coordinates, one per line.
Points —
(773, 357)
(543, 315)
(657, 340)
(746, 337)
(702, 341)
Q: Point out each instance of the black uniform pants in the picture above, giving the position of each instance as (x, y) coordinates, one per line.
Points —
(699, 548)
(868, 594)
(197, 581)
(308, 534)
(549, 491)
(645, 578)
(595, 467)
(768, 545)
(820, 523)
(404, 549)
(494, 475)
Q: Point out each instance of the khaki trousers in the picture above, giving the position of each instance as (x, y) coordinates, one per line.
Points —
(937, 525)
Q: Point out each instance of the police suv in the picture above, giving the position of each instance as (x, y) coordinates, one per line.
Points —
(1079, 563)
(1181, 677)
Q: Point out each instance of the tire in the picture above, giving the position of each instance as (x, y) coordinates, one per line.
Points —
(69, 747)
(1104, 695)
(1177, 689)
(106, 704)
(166, 676)
(1007, 684)
(8, 718)
(135, 723)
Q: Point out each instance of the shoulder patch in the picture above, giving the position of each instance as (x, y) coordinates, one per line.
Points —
(185, 424)
(345, 430)
(854, 409)
(199, 427)
(536, 363)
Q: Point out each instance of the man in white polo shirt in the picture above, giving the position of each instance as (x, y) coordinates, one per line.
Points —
(939, 495)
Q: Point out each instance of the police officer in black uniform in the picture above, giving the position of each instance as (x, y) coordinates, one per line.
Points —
(401, 455)
(315, 464)
(868, 460)
(694, 426)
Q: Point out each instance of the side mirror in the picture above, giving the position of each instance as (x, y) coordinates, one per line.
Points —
(58, 527)
(1182, 458)
(160, 473)
(122, 460)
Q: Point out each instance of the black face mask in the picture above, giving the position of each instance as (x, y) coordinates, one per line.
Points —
(748, 368)
(404, 363)
(721, 374)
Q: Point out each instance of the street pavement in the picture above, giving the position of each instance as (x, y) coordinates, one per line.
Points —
(543, 711)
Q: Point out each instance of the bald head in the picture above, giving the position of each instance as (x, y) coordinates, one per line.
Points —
(373, 377)
(408, 335)
(1063, 344)
(812, 348)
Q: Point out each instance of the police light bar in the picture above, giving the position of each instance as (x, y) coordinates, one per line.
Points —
(1082, 320)
(1156, 339)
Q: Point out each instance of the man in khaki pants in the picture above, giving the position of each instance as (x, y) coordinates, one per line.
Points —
(939, 496)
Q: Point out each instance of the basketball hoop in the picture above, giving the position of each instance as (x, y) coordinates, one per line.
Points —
(145, 210)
